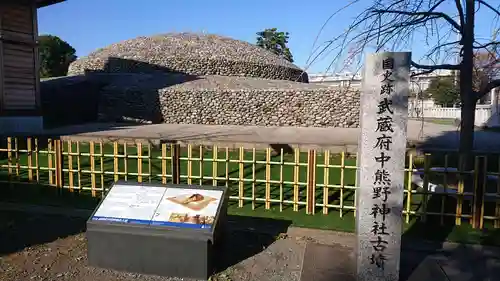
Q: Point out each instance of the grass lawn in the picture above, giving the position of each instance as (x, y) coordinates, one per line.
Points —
(280, 187)
(446, 121)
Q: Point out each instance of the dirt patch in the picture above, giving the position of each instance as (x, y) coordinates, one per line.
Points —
(52, 248)
(63, 259)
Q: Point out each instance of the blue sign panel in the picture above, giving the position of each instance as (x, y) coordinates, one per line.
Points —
(160, 206)
(130, 204)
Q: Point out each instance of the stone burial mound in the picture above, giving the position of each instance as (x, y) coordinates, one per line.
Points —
(188, 78)
(189, 53)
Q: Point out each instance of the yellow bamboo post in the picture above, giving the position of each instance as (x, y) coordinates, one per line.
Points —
(254, 179)
(139, 161)
(79, 165)
(190, 165)
(150, 157)
(296, 174)
(202, 158)
(427, 170)
(49, 158)
(227, 168)
(241, 172)
(215, 165)
(37, 162)
(60, 164)
(282, 164)
(70, 166)
(342, 183)
(445, 179)
(356, 180)
(482, 191)
(268, 179)
(92, 168)
(311, 182)
(115, 161)
(474, 220)
(409, 189)
(163, 163)
(125, 161)
(59, 158)
(30, 159)
(9, 156)
(480, 173)
(326, 182)
(57, 162)
(18, 164)
(101, 158)
(460, 192)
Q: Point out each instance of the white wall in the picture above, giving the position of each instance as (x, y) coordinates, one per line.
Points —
(486, 114)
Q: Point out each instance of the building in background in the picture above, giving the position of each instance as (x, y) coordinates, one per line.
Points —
(487, 112)
(418, 82)
(344, 79)
(20, 106)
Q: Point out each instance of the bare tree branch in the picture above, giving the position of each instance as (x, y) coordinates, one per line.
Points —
(415, 74)
(460, 10)
(397, 25)
(392, 24)
(423, 15)
(324, 25)
(495, 10)
(490, 86)
(436, 67)
(493, 43)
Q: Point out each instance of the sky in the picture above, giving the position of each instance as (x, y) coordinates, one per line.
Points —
(91, 24)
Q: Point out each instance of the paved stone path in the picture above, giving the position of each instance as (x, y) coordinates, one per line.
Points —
(336, 139)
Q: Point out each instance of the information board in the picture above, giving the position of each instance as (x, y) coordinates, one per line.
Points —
(160, 206)
(130, 204)
(194, 208)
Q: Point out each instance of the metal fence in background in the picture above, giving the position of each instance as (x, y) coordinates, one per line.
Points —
(305, 181)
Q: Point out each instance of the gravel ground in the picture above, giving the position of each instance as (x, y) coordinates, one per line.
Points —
(42, 247)
(53, 248)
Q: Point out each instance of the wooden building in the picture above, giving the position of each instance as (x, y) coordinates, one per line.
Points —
(20, 106)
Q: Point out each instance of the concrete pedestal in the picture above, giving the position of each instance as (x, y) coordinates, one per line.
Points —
(156, 249)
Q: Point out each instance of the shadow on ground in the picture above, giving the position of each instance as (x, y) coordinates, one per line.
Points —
(36, 225)
(28, 227)
(19, 230)
(426, 238)
(247, 237)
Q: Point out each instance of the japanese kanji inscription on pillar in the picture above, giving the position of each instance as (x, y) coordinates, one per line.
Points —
(382, 146)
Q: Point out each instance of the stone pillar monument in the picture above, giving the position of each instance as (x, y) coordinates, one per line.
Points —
(382, 148)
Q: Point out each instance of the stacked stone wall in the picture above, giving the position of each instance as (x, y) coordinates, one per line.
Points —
(229, 101)
(187, 78)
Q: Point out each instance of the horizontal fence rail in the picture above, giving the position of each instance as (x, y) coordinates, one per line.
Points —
(303, 181)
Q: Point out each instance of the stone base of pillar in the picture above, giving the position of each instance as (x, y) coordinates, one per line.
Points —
(24, 125)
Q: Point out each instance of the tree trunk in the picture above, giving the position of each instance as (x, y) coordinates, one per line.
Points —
(467, 95)
(468, 114)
